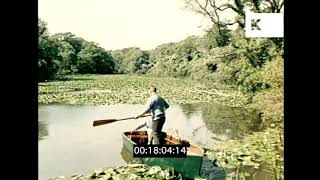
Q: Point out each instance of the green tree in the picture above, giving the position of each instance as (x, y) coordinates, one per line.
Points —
(65, 40)
(213, 38)
(73, 40)
(47, 53)
(187, 48)
(131, 60)
(94, 59)
(67, 55)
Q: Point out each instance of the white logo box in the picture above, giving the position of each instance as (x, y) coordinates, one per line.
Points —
(268, 24)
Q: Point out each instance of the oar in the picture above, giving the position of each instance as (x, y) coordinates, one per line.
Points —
(107, 121)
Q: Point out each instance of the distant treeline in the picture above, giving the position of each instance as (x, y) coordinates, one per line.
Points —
(252, 64)
(221, 55)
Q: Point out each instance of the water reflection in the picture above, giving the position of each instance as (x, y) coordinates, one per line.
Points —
(211, 171)
(43, 130)
(223, 121)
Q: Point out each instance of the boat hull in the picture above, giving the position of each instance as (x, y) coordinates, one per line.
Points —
(189, 167)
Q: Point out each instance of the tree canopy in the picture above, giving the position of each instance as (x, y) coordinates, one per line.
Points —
(222, 55)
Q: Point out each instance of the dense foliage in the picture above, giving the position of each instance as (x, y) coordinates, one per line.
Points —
(221, 56)
(64, 53)
(131, 171)
(130, 60)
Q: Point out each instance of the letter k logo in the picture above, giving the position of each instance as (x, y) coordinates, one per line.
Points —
(254, 24)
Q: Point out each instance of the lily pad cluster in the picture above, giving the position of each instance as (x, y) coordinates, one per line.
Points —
(129, 172)
(125, 89)
(248, 155)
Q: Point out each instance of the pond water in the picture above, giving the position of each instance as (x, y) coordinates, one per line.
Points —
(69, 144)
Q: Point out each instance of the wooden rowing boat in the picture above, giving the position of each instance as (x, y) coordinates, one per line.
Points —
(189, 167)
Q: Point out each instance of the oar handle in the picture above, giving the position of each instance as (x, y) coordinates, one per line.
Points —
(125, 119)
(134, 117)
(107, 121)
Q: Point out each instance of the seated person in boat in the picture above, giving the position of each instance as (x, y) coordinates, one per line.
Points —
(156, 106)
(149, 130)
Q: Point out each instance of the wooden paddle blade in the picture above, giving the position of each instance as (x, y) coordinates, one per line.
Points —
(102, 122)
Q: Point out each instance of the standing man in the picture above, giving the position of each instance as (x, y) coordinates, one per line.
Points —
(156, 106)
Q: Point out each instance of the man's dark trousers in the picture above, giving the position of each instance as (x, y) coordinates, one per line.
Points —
(156, 129)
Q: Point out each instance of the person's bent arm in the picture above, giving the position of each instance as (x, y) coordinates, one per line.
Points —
(147, 110)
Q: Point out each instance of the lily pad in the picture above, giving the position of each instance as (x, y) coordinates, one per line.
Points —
(154, 170)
